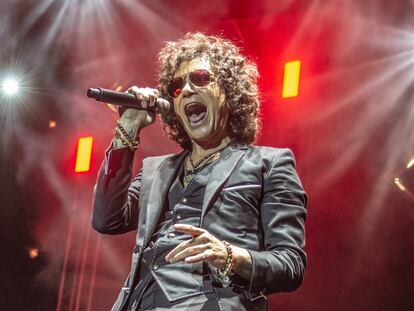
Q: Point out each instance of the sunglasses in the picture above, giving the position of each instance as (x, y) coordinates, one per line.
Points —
(198, 78)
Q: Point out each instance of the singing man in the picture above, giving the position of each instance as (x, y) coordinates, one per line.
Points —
(220, 226)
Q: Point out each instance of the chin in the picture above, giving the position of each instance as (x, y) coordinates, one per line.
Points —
(200, 137)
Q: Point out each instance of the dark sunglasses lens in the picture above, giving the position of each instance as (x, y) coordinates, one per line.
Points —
(200, 77)
(175, 87)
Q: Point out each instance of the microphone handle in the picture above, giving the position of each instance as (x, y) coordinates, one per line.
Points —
(117, 98)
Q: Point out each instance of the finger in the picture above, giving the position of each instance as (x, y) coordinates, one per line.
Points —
(133, 89)
(151, 100)
(189, 243)
(146, 93)
(162, 104)
(150, 95)
(190, 251)
(143, 103)
(192, 230)
(151, 92)
(143, 97)
(136, 91)
(180, 247)
(139, 94)
(207, 255)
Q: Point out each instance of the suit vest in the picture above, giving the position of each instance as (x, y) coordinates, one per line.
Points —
(177, 280)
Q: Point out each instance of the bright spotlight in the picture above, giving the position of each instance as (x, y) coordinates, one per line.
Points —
(10, 86)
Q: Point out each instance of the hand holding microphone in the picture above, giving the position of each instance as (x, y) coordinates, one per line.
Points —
(148, 102)
(145, 103)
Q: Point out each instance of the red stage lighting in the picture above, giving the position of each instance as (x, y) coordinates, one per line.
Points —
(83, 156)
(291, 79)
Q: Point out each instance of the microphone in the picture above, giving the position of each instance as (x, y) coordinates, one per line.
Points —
(127, 100)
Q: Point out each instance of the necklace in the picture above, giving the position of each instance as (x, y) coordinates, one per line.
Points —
(205, 159)
(190, 173)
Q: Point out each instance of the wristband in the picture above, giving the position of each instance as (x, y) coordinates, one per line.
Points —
(224, 273)
(126, 140)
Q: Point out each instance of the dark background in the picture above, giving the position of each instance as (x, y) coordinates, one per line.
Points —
(351, 129)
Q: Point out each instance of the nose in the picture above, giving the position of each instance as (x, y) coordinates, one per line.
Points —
(187, 89)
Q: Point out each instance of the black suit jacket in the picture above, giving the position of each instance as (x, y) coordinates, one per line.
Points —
(254, 199)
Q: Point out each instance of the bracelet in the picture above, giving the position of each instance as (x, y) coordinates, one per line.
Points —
(126, 140)
(223, 273)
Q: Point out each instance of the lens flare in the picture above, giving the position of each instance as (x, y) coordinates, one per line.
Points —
(10, 86)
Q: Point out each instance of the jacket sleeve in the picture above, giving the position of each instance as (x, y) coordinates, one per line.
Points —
(115, 197)
(281, 264)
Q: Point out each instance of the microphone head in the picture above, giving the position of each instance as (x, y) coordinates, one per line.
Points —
(93, 92)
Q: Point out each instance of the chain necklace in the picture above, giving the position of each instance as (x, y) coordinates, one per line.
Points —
(190, 173)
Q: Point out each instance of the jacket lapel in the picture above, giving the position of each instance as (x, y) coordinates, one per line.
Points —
(154, 191)
(220, 173)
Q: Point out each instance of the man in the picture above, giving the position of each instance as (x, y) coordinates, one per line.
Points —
(220, 225)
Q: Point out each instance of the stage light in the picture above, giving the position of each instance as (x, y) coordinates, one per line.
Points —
(10, 86)
(405, 182)
(33, 252)
(83, 157)
(398, 183)
(291, 79)
(410, 163)
(52, 124)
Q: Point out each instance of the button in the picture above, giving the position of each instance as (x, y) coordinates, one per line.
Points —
(137, 249)
(184, 200)
(178, 216)
(155, 267)
(171, 235)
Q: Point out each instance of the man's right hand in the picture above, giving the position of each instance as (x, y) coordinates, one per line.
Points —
(133, 120)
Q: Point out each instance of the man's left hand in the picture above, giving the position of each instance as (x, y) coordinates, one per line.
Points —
(202, 247)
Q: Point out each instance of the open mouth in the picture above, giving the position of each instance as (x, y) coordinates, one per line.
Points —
(195, 112)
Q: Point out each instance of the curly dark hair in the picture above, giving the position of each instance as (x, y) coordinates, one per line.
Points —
(236, 75)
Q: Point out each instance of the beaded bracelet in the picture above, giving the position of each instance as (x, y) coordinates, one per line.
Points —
(126, 140)
(223, 273)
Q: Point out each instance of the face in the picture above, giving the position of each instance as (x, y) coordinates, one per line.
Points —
(201, 110)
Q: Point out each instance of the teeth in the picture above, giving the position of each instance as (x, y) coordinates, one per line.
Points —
(194, 118)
